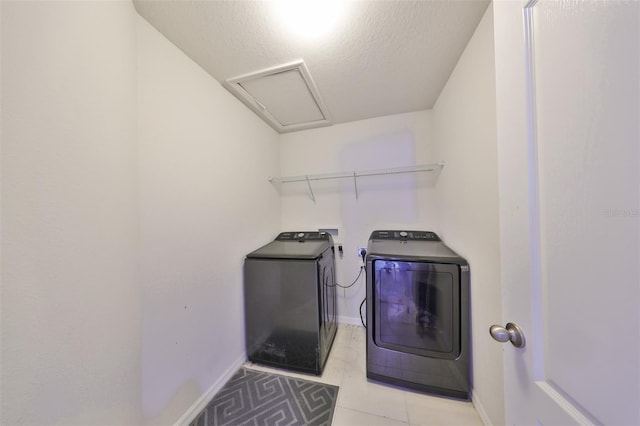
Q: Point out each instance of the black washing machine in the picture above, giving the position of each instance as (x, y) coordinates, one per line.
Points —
(290, 301)
(417, 313)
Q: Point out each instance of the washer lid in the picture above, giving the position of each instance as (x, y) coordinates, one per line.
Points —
(290, 250)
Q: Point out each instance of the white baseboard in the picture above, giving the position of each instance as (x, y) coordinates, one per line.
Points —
(480, 410)
(193, 411)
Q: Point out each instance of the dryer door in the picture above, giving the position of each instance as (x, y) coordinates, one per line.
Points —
(417, 307)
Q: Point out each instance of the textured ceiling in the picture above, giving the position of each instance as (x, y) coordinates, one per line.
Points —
(382, 57)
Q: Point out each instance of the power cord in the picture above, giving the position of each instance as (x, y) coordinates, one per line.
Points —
(362, 319)
(350, 285)
(362, 253)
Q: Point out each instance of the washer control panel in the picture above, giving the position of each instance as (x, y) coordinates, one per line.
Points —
(303, 236)
(405, 235)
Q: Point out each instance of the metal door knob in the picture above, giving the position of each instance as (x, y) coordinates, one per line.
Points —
(511, 333)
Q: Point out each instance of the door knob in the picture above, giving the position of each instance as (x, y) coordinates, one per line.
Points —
(511, 333)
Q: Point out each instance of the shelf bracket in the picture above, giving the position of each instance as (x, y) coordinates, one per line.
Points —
(355, 184)
(313, 197)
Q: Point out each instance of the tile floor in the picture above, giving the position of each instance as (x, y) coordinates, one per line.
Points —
(361, 402)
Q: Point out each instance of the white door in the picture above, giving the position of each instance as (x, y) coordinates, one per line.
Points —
(570, 214)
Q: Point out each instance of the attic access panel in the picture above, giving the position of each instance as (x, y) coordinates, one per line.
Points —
(284, 96)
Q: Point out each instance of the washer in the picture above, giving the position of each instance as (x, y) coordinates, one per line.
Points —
(417, 313)
(290, 301)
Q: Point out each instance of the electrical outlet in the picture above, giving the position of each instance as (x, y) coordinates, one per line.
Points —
(362, 251)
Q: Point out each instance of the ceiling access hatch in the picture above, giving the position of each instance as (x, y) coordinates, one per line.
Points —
(284, 96)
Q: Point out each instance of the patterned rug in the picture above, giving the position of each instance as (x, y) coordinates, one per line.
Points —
(256, 398)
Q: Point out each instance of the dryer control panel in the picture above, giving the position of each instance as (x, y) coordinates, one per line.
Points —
(404, 235)
(303, 236)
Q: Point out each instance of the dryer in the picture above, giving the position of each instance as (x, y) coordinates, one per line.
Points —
(417, 313)
(290, 301)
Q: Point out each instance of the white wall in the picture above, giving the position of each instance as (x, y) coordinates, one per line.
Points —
(464, 122)
(71, 318)
(384, 202)
(205, 202)
(123, 166)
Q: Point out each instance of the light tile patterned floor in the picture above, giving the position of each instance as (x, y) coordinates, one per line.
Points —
(361, 402)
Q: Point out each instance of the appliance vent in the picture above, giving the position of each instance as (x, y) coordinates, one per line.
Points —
(284, 96)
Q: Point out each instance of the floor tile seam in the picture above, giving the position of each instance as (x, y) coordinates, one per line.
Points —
(406, 406)
(369, 413)
(340, 403)
(444, 406)
(343, 363)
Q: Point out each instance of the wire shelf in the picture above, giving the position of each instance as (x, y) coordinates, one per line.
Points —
(355, 175)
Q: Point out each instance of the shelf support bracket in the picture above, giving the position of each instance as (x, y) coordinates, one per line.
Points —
(313, 197)
(355, 184)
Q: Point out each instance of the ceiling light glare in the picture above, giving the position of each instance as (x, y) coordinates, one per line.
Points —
(309, 18)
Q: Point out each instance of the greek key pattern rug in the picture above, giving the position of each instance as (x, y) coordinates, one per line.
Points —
(257, 398)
